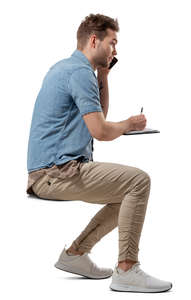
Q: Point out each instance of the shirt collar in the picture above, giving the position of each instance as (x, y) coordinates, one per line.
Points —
(77, 53)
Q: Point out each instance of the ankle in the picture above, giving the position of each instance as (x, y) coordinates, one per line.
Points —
(73, 251)
(126, 264)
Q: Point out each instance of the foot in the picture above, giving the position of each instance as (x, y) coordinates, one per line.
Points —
(135, 280)
(81, 265)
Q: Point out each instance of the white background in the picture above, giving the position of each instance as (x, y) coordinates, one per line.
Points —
(153, 71)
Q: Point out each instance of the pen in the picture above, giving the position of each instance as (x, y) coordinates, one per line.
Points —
(141, 110)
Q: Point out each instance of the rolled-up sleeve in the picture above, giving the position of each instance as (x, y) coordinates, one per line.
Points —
(84, 90)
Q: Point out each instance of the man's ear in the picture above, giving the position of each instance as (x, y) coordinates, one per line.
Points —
(94, 40)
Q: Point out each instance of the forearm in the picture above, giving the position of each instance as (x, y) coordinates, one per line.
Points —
(113, 130)
(104, 92)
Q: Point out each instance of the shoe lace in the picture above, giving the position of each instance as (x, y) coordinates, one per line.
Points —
(139, 271)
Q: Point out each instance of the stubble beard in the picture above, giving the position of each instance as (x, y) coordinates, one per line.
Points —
(101, 60)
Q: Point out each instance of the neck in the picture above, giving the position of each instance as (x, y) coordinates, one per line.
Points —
(89, 58)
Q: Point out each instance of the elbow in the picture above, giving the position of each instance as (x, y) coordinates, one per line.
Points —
(99, 133)
(100, 136)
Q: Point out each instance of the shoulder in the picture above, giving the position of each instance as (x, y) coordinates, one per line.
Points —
(83, 74)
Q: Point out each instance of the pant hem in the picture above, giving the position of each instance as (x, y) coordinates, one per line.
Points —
(122, 258)
(80, 248)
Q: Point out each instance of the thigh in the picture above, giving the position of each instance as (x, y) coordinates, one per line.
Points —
(96, 182)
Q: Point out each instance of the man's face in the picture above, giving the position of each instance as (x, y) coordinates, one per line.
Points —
(106, 50)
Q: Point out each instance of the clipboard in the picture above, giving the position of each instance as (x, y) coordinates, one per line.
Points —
(144, 131)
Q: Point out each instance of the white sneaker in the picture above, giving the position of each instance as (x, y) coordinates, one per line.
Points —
(81, 265)
(135, 280)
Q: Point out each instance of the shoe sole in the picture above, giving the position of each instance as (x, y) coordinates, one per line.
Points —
(62, 267)
(129, 288)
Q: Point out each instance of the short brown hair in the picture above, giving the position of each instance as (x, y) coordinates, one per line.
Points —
(95, 24)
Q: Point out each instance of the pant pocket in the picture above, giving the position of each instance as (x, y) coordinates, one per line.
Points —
(42, 186)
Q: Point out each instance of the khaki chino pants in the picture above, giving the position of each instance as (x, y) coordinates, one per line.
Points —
(123, 189)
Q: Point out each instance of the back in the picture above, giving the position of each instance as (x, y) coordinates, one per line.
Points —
(58, 132)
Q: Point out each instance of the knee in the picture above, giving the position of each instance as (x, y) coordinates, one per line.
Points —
(144, 179)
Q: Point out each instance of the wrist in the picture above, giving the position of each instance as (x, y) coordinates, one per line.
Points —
(102, 78)
(129, 126)
(102, 72)
(101, 75)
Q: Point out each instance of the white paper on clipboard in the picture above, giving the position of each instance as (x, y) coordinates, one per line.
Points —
(144, 131)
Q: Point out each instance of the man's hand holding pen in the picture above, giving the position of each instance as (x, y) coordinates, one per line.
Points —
(137, 122)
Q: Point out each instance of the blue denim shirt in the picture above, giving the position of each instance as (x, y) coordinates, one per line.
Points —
(58, 132)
